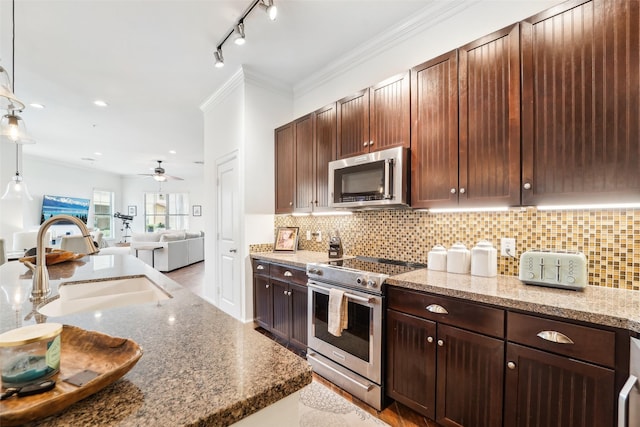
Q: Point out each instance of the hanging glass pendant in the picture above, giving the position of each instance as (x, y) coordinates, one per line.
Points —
(16, 189)
(8, 100)
(13, 129)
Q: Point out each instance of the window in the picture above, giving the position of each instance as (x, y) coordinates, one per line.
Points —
(168, 211)
(103, 212)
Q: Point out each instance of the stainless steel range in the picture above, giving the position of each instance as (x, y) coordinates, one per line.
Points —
(353, 361)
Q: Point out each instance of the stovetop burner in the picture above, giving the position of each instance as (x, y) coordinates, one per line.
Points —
(384, 266)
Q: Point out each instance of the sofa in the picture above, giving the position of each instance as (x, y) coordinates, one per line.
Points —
(168, 250)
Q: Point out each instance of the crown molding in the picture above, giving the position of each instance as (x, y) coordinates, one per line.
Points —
(431, 15)
(223, 92)
(269, 83)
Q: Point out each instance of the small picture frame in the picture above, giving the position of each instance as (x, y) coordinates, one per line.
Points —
(196, 210)
(286, 239)
(132, 210)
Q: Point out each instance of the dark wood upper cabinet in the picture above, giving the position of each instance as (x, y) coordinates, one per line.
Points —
(324, 151)
(489, 139)
(285, 178)
(353, 124)
(580, 111)
(434, 132)
(304, 183)
(375, 118)
(389, 113)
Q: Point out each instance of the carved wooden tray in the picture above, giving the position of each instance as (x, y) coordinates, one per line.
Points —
(109, 356)
(56, 256)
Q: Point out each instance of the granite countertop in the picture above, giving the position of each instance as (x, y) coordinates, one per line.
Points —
(619, 308)
(604, 306)
(297, 259)
(200, 365)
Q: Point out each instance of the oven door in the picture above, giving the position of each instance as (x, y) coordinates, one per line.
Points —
(359, 348)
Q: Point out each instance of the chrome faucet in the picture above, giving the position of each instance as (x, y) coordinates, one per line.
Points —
(40, 286)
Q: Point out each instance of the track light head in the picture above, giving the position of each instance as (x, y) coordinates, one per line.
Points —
(219, 58)
(270, 9)
(239, 38)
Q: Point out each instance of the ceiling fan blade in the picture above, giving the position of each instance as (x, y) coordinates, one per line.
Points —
(175, 178)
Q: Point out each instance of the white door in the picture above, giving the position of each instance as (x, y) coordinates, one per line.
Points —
(229, 286)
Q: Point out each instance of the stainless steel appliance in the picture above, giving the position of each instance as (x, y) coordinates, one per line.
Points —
(558, 269)
(377, 179)
(629, 398)
(353, 361)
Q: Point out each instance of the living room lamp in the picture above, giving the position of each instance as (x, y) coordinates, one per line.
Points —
(16, 188)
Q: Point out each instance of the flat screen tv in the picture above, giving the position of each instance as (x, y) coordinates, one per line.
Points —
(56, 205)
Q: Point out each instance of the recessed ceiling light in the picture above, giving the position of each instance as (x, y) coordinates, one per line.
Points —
(36, 105)
(172, 151)
(100, 103)
(199, 162)
(88, 159)
(97, 153)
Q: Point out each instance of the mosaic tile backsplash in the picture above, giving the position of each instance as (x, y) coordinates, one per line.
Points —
(610, 238)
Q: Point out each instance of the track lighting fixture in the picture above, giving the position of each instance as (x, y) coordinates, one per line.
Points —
(269, 8)
(238, 30)
(219, 58)
(239, 34)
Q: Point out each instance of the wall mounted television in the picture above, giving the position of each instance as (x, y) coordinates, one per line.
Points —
(55, 205)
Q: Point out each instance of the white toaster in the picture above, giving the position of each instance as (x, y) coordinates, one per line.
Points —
(558, 269)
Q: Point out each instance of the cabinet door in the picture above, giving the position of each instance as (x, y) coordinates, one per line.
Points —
(298, 327)
(489, 145)
(281, 313)
(389, 113)
(543, 389)
(284, 153)
(304, 179)
(411, 361)
(581, 94)
(325, 151)
(262, 301)
(353, 124)
(470, 378)
(434, 136)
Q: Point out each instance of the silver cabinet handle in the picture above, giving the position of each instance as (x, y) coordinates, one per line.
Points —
(429, 339)
(370, 143)
(435, 308)
(462, 190)
(284, 292)
(365, 143)
(440, 343)
(453, 191)
(290, 203)
(260, 267)
(527, 186)
(266, 286)
(622, 400)
(287, 274)
(289, 293)
(233, 250)
(555, 336)
(511, 365)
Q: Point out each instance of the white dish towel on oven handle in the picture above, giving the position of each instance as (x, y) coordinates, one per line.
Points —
(338, 314)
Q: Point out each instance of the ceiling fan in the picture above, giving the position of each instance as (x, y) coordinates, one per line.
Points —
(159, 174)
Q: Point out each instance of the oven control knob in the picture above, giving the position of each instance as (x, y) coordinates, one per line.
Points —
(360, 280)
(315, 271)
(372, 283)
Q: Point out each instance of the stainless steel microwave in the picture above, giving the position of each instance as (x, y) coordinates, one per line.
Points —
(377, 179)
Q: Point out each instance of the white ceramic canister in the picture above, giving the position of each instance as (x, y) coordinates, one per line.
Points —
(437, 258)
(484, 260)
(458, 259)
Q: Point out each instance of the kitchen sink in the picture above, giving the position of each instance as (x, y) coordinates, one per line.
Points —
(78, 297)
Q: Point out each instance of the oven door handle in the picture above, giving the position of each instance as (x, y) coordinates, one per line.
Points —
(366, 387)
(346, 294)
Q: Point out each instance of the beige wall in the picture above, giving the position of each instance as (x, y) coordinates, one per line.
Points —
(609, 238)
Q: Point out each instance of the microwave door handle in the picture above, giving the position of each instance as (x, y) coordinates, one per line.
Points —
(388, 165)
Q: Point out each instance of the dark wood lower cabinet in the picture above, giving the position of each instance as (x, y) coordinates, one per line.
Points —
(445, 373)
(470, 377)
(298, 308)
(547, 390)
(262, 302)
(281, 316)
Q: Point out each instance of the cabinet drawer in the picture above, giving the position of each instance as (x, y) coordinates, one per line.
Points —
(260, 267)
(289, 274)
(586, 343)
(475, 317)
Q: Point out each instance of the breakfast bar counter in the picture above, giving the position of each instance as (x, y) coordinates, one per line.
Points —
(199, 365)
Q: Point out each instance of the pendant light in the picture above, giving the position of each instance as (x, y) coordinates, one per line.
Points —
(8, 100)
(12, 127)
(16, 188)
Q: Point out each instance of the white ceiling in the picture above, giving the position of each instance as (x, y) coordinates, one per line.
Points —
(152, 62)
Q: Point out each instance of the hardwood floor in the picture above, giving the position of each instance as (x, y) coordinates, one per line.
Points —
(396, 414)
